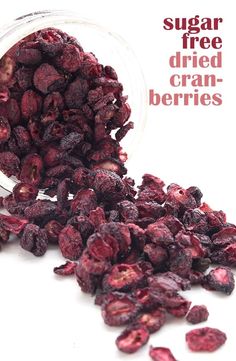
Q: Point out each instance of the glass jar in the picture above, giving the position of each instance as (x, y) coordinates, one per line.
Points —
(108, 47)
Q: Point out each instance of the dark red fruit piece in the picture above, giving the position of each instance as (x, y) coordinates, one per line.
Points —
(108, 185)
(110, 72)
(191, 242)
(157, 255)
(98, 248)
(83, 202)
(9, 163)
(11, 111)
(123, 277)
(70, 243)
(180, 260)
(70, 59)
(28, 54)
(205, 339)
(76, 93)
(31, 103)
(138, 236)
(53, 229)
(90, 67)
(5, 130)
(41, 209)
(225, 237)
(122, 115)
(88, 282)
(24, 77)
(153, 320)
(120, 309)
(34, 239)
(47, 79)
(12, 224)
(150, 209)
(220, 279)
(151, 189)
(168, 281)
(196, 193)
(161, 354)
(159, 234)
(97, 217)
(132, 338)
(83, 225)
(146, 299)
(23, 192)
(66, 269)
(197, 314)
(53, 101)
(32, 167)
(182, 309)
(121, 133)
(50, 41)
(70, 141)
(120, 232)
(178, 200)
(93, 265)
(128, 211)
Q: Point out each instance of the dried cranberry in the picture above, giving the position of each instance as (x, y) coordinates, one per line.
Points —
(197, 314)
(12, 224)
(31, 103)
(40, 209)
(98, 248)
(53, 229)
(161, 354)
(31, 169)
(47, 79)
(24, 192)
(123, 277)
(50, 41)
(9, 163)
(34, 239)
(76, 93)
(66, 269)
(70, 243)
(153, 320)
(159, 234)
(70, 59)
(28, 54)
(220, 279)
(83, 202)
(132, 338)
(205, 339)
(120, 309)
(93, 265)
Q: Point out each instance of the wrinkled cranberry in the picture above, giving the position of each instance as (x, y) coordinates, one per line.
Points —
(120, 232)
(50, 41)
(40, 209)
(34, 239)
(31, 103)
(197, 314)
(70, 59)
(205, 339)
(159, 234)
(24, 192)
(132, 338)
(53, 229)
(88, 282)
(120, 309)
(70, 243)
(220, 279)
(31, 169)
(161, 354)
(98, 248)
(83, 202)
(123, 277)
(9, 163)
(47, 79)
(76, 93)
(153, 320)
(93, 265)
(66, 269)
(12, 224)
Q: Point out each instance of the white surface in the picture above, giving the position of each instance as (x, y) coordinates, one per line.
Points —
(44, 317)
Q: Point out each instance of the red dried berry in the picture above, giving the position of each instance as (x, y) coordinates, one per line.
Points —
(70, 59)
(66, 269)
(205, 339)
(83, 202)
(153, 320)
(123, 277)
(98, 248)
(120, 309)
(197, 314)
(161, 354)
(47, 79)
(31, 103)
(31, 169)
(159, 234)
(9, 163)
(28, 54)
(34, 239)
(50, 41)
(76, 93)
(132, 338)
(92, 265)
(220, 279)
(41, 209)
(4, 94)
(12, 224)
(70, 243)
(97, 217)
(53, 229)
(24, 192)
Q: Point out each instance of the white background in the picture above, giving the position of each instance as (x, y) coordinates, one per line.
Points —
(44, 317)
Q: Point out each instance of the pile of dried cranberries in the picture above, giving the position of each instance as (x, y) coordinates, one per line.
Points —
(136, 249)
